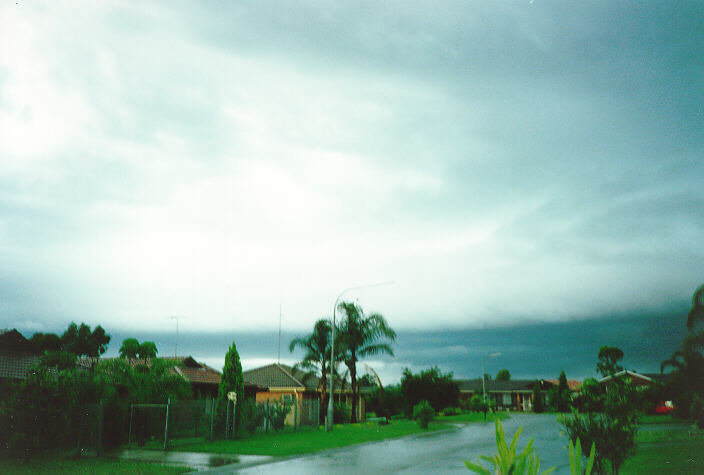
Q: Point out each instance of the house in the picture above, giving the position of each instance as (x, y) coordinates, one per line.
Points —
(17, 358)
(516, 395)
(284, 383)
(637, 379)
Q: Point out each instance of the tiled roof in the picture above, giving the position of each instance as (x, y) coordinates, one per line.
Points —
(494, 385)
(203, 374)
(572, 384)
(13, 343)
(16, 367)
(280, 376)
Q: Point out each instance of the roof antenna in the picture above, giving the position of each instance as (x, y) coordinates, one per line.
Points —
(176, 317)
(278, 360)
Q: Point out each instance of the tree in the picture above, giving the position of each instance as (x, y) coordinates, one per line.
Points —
(362, 336)
(609, 356)
(231, 380)
(147, 349)
(317, 353)
(44, 342)
(560, 396)
(81, 341)
(129, 348)
(503, 375)
(538, 406)
(431, 385)
(612, 431)
(696, 313)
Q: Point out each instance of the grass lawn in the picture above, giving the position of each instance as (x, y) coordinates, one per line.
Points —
(676, 457)
(311, 440)
(474, 417)
(86, 465)
(676, 449)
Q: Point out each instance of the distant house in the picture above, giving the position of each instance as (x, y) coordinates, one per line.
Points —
(17, 358)
(284, 383)
(204, 380)
(515, 395)
(637, 379)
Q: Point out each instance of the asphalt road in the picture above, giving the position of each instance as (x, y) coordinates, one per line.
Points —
(435, 452)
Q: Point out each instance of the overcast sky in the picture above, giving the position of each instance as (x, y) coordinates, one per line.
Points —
(500, 162)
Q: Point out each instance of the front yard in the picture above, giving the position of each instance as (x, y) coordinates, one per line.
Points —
(310, 440)
(666, 445)
(85, 466)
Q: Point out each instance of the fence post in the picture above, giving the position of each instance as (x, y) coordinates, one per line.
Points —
(166, 426)
(212, 417)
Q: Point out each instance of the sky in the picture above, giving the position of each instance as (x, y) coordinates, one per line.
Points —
(507, 165)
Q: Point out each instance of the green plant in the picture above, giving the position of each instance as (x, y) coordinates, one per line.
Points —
(451, 411)
(576, 459)
(341, 413)
(276, 413)
(423, 412)
(538, 406)
(506, 461)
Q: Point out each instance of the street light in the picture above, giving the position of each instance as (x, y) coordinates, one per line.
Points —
(491, 355)
(329, 420)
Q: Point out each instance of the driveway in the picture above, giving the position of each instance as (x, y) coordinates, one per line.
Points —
(433, 452)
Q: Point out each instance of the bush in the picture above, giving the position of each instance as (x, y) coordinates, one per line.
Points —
(423, 412)
(275, 414)
(341, 413)
(451, 411)
(253, 415)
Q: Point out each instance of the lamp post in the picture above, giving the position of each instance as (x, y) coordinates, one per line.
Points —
(491, 355)
(329, 419)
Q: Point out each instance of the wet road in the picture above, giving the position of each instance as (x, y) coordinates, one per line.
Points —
(435, 452)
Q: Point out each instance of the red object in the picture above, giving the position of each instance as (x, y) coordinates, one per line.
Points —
(664, 407)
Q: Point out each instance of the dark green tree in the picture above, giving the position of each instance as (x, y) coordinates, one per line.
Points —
(147, 350)
(503, 375)
(231, 380)
(46, 342)
(563, 393)
(81, 341)
(317, 355)
(362, 336)
(538, 406)
(609, 356)
(696, 313)
(129, 348)
(431, 385)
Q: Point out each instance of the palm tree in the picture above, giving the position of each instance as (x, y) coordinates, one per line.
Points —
(317, 348)
(696, 314)
(362, 336)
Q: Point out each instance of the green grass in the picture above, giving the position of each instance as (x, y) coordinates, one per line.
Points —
(311, 440)
(473, 417)
(674, 449)
(678, 457)
(650, 419)
(85, 466)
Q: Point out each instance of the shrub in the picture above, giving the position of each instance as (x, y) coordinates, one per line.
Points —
(431, 385)
(341, 413)
(253, 415)
(275, 414)
(451, 411)
(423, 412)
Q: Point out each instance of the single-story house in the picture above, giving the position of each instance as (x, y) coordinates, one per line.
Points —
(638, 379)
(516, 395)
(284, 383)
(17, 358)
